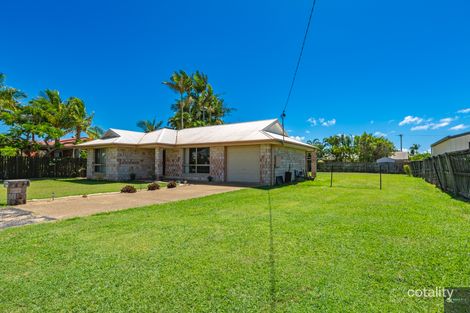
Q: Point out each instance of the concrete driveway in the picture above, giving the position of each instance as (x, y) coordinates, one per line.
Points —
(68, 207)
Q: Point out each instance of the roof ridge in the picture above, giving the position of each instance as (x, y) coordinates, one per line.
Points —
(227, 124)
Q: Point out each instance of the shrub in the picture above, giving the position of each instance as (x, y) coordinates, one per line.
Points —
(171, 184)
(128, 189)
(407, 169)
(153, 186)
(132, 176)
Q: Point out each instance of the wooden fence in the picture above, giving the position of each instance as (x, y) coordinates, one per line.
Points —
(390, 168)
(37, 167)
(450, 172)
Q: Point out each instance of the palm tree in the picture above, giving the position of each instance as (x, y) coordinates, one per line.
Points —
(319, 145)
(79, 120)
(149, 125)
(9, 97)
(181, 83)
(414, 149)
(94, 132)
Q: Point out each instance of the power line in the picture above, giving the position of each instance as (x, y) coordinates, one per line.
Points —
(300, 57)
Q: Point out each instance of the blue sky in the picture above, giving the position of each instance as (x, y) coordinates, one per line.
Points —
(367, 65)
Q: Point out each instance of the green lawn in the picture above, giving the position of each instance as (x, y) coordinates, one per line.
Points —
(61, 187)
(350, 248)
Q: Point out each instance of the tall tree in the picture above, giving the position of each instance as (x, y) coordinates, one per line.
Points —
(414, 149)
(198, 105)
(78, 117)
(149, 125)
(95, 132)
(9, 97)
(319, 145)
(181, 83)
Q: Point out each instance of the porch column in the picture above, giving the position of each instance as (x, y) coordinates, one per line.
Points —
(314, 163)
(158, 163)
(265, 165)
(90, 159)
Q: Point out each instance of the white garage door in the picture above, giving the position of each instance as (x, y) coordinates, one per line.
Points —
(243, 164)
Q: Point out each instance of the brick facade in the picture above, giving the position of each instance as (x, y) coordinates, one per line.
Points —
(122, 162)
(274, 160)
(174, 163)
(288, 159)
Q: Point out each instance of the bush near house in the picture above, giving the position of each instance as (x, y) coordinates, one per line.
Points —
(153, 186)
(171, 184)
(128, 189)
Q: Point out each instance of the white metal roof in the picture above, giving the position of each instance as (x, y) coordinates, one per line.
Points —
(266, 130)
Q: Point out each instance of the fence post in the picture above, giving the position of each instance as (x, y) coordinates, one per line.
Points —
(380, 169)
(331, 177)
(434, 160)
(451, 174)
(443, 173)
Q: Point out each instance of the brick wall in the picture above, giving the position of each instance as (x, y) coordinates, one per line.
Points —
(174, 163)
(140, 162)
(288, 159)
(121, 162)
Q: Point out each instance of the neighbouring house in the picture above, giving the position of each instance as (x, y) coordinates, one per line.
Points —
(68, 149)
(252, 152)
(451, 143)
(396, 157)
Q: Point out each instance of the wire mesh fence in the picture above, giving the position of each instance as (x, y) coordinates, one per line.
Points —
(450, 172)
(361, 167)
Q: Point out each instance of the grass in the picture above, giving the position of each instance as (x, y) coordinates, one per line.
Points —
(350, 248)
(61, 187)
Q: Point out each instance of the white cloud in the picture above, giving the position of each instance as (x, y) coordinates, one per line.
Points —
(411, 120)
(380, 134)
(321, 121)
(459, 127)
(329, 123)
(299, 138)
(443, 122)
(421, 127)
(467, 110)
(312, 121)
(307, 132)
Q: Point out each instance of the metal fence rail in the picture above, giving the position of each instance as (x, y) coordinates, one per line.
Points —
(37, 167)
(450, 172)
(358, 167)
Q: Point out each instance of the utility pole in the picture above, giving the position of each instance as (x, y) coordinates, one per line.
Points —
(401, 142)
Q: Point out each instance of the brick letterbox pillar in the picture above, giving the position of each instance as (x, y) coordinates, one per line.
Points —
(16, 191)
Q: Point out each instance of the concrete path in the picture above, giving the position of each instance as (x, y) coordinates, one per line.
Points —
(68, 207)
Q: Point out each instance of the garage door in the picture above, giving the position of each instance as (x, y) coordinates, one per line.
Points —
(243, 164)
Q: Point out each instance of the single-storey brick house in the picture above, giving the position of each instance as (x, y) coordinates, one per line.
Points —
(253, 152)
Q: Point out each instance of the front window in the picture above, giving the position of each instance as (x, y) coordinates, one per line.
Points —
(100, 157)
(197, 160)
